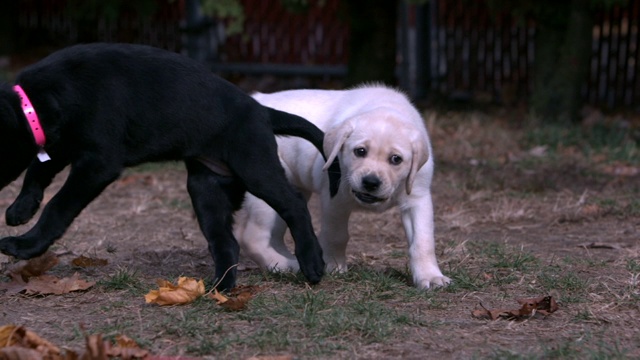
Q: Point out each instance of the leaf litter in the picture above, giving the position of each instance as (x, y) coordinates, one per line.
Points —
(529, 307)
(19, 343)
(28, 277)
(189, 289)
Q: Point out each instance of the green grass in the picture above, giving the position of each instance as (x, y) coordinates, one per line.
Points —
(122, 279)
(571, 287)
(616, 142)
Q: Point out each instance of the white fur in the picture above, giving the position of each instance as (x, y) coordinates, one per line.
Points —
(384, 123)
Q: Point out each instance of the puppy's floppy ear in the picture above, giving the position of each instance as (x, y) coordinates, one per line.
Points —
(419, 156)
(333, 141)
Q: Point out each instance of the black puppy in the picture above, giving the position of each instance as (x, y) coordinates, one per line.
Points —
(104, 107)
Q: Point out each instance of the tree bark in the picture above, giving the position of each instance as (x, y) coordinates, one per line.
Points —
(8, 27)
(372, 47)
(561, 66)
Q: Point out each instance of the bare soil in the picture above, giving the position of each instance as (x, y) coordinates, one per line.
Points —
(568, 211)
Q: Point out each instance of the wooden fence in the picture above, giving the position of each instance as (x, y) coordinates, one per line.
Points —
(468, 49)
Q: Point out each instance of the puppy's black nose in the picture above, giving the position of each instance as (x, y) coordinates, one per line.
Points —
(371, 183)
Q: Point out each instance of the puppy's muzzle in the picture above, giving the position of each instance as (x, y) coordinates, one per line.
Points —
(370, 183)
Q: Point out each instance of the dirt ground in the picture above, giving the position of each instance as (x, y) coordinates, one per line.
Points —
(494, 194)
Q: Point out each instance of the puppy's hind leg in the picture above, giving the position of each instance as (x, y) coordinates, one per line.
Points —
(261, 236)
(215, 198)
(264, 177)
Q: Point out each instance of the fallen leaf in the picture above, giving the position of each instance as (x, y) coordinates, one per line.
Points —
(45, 285)
(238, 299)
(95, 348)
(83, 261)
(34, 267)
(126, 348)
(187, 290)
(15, 286)
(219, 298)
(48, 284)
(544, 304)
(591, 210)
(19, 353)
(16, 342)
(529, 307)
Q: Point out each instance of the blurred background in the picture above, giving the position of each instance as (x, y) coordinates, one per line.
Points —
(559, 61)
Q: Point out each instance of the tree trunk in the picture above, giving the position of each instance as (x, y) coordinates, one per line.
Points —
(8, 27)
(563, 52)
(372, 47)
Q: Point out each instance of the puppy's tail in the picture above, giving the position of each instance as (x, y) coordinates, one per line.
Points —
(293, 125)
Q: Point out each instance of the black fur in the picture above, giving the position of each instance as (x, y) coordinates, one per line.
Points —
(105, 107)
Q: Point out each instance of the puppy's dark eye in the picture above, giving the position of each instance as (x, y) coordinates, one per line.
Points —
(395, 159)
(360, 152)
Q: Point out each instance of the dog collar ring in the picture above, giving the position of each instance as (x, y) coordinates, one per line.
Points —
(34, 123)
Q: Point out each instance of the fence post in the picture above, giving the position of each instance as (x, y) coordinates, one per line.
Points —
(413, 69)
(199, 34)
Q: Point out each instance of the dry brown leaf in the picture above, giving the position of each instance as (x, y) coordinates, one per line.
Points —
(10, 335)
(591, 210)
(238, 299)
(14, 286)
(16, 340)
(126, 348)
(34, 267)
(45, 285)
(219, 298)
(83, 261)
(187, 290)
(126, 342)
(95, 348)
(19, 353)
(48, 284)
(544, 305)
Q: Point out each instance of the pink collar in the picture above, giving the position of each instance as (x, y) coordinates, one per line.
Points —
(34, 122)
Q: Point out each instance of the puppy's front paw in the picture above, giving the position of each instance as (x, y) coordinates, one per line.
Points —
(433, 281)
(21, 248)
(312, 267)
(336, 267)
(21, 211)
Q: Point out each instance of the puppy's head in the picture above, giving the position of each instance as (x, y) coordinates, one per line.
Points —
(17, 148)
(379, 154)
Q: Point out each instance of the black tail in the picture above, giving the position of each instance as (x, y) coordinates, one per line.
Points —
(293, 125)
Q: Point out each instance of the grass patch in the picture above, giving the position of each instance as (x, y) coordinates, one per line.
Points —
(571, 287)
(616, 142)
(122, 279)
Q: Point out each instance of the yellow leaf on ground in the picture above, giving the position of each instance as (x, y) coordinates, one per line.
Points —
(187, 290)
(219, 298)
